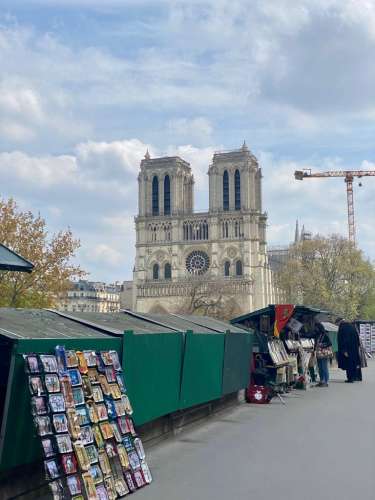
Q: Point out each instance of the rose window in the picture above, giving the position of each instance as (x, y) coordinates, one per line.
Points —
(197, 262)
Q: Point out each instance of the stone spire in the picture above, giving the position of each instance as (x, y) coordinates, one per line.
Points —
(296, 234)
(244, 147)
(147, 155)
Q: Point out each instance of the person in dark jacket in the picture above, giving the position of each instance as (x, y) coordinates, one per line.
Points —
(322, 341)
(348, 355)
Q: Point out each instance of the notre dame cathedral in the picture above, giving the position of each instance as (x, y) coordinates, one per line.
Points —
(224, 248)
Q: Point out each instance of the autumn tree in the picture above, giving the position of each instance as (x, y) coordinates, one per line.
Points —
(26, 234)
(328, 273)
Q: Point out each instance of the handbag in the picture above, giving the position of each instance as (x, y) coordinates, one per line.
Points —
(324, 352)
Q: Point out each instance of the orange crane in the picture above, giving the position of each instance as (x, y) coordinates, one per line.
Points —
(349, 176)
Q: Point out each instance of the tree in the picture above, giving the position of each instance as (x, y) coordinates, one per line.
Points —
(27, 235)
(328, 273)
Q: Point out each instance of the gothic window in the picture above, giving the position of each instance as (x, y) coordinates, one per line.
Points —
(155, 272)
(239, 268)
(226, 268)
(237, 190)
(155, 195)
(225, 190)
(167, 195)
(167, 271)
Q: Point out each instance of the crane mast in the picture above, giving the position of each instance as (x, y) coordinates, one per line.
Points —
(348, 176)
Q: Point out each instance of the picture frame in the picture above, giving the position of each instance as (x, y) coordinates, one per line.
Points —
(131, 427)
(138, 478)
(87, 388)
(104, 384)
(106, 430)
(82, 363)
(110, 374)
(75, 377)
(93, 375)
(52, 382)
(122, 488)
(101, 410)
(101, 492)
(52, 468)
(48, 447)
(73, 423)
(36, 385)
(78, 396)
(128, 443)
(49, 363)
(39, 405)
(126, 402)
(123, 456)
(123, 425)
(134, 460)
(57, 489)
(104, 462)
(96, 473)
(109, 484)
(44, 427)
(67, 391)
(69, 463)
(64, 443)
(116, 432)
(115, 361)
(111, 449)
(115, 391)
(32, 363)
(138, 445)
(121, 383)
(93, 414)
(90, 357)
(92, 454)
(111, 407)
(82, 415)
(97, 394)
(146, 472)
(61, 359)
(99, 441)
(56, 402)
(130, 481)
(82, 456)
(71, 358)
(74, 484)
(106, 358)
(87, 436)
(60, 422)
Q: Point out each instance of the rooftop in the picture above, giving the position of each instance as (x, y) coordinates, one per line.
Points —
(12, 261)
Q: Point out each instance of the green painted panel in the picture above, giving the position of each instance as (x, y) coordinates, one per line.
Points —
(202, 373)
(19, 444)
(152, 370)
(237, 358)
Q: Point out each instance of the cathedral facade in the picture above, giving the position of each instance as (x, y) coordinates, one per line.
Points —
(221, 249)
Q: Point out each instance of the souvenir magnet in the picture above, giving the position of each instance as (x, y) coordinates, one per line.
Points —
(101, 410)
(104, 462)
(52, 382)
(139, 448)
(130, 481)
(48, 447)
(115, 360)
(39, 405)
(104, 385)
(128, 406)
(93, 375)
(93, 414)
(98, 436)
(97, 393)
(101, 492)
(36, 385)
(82, 457)
(139, 479)
(134, 461)
(146, 472)
(128, 443)
(116, 432)
(110, 374)
(78, 396)
(71, 358)
(115, 391)
(119, 407)
(64, 443)
(66, 389)
(122, 488)
(82, 415)
(49, 363)
(106, 358)
(61, 359)
(96, 473)
(87, 436)
(56, 402)
(106, 430)
(60, 422)
(130, 426)
(69, 463)
(74, 484)
(110, 487)
(89, 485)
(90, 357)
(82, 363)
(123, 456)
(57, 489)
(110, 449)
(92, 454)
(32, 363)
(121, 384)
(73, 423)
(111, 407)
(43, 425)
(87, 388)
(75, 377)
(51, 468)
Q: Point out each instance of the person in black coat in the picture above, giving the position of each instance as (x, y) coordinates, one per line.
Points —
(348, 355)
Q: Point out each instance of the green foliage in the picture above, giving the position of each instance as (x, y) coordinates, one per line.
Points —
(329, 273)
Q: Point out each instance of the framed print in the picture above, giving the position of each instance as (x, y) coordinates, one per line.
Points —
(139, 448)
(110, 374)
(74, 485)
(52, 382)
(115, 391)
(39, 405)
(82, 415)
(106, 358)
(120, 381)
(93, 414)
(110, 449)
(56, 402)
(101, 492)
(92, 454)
(101, 410)
(104, 462)
(123, 456)
(128, 406)
(134, 461)
(96, 473)
(44, 426)
(71, 358)
(111, 408)
(97, 393)
(82, 363)
(128, 443)
(73, 423)
(99, 441)
(130, 481)
(115, 360)
(87, 388)
(87, 436)
(116, 432)
(90, 357)
(78, 396)
(120, 408)
(36, 385)
(75, 377)
(138, 478)
(106, 430)
(32, 363)
(48, 447)
(123, 425)
(61, 359)
(49, 363)
(146, 472)
(64, 444)
(60, 422)
(122, 488)
(69, 463)
(82, 457)
(93, 375)
(66, 389)
(104, 385)
(130, 426)
(57, 489)
(52, 468)
(109, 484)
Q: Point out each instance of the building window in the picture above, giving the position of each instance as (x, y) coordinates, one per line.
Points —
(167, 195)
(155, 195)
(237, 190)
(225, 190)
(238, 268)
(226, 268)
(155, 272)
(167, 271)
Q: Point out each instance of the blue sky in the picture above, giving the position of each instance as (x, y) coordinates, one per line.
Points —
(86, 86)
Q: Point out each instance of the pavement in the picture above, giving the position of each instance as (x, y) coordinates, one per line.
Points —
(319, 446)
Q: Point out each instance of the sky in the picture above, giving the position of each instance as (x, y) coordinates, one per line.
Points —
(86, 86)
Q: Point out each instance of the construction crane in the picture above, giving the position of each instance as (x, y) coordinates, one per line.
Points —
(349, 176)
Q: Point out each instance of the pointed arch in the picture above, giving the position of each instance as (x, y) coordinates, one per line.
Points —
(155, 272)
(167, 271)
(167, 195)
(155, 195)
(225, 190)
(239, 271)
(237, 190)
(226, 268)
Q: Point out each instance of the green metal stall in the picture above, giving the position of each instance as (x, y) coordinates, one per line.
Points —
(237, 361)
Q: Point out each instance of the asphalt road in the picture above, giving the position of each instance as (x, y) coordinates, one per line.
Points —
(320, 446)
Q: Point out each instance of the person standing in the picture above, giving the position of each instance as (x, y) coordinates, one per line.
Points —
(348, 355)
(323, 350)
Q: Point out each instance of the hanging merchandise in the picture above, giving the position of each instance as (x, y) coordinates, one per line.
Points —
(83, 417)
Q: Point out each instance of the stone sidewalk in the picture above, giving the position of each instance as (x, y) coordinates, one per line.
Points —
(320, 445)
